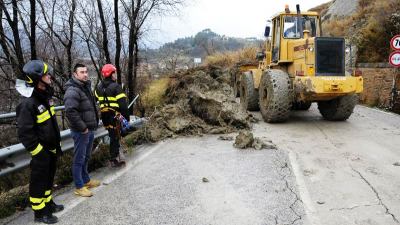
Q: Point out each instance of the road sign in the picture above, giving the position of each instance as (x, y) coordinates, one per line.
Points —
(395, 42)
(394, 59)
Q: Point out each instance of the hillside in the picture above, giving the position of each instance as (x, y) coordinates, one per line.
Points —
(181, 53)
(366, 24)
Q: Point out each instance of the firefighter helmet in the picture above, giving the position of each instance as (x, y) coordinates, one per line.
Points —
(108, 70)
(32, 74)
(34, 70)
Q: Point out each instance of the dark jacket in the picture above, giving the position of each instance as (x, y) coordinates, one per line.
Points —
(112, 100)
(37, 125)
(80, 106)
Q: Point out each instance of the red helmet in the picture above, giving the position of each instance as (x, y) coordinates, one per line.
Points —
(108, 70)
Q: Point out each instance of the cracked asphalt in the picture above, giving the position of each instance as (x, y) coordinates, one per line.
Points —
(323, 173)
(344, 171)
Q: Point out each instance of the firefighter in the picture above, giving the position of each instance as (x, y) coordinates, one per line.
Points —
(39, 133)
(112, 102)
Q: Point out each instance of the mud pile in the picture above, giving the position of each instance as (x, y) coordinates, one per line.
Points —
(198, 101)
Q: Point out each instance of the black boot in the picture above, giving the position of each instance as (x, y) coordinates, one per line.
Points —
(54, 208)
(47, 219)
(43, 216)
(115, 163)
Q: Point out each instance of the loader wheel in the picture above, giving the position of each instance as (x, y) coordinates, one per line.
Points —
(248, 94)
(301, 105)
(276, 96)
(338, 109)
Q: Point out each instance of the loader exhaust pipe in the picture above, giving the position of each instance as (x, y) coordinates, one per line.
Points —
(299, 22)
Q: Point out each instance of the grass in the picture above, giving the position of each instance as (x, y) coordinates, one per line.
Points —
(154, 94)
(229, 59)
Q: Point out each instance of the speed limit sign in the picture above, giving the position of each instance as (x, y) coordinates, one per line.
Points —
(395, 42)
(394, 58)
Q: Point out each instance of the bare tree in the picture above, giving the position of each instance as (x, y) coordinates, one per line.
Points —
(104, 32)
(12, 44)
(138, 12)
(118, 44)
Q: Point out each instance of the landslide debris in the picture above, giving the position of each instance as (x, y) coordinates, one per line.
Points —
(196, 102)
(245, 139)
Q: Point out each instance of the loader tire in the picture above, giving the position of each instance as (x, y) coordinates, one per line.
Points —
(276, 96)
(301, 105)
(338, 109)
(248, 94)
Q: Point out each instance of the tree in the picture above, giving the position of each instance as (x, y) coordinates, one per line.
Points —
(138, 12)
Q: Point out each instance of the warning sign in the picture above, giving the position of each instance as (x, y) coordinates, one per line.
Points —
(394, 59)
(395, 42)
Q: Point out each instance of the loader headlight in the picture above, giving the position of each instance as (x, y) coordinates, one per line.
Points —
(310, 49)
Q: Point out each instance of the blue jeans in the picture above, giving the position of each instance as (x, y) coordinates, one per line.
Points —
(83, 144)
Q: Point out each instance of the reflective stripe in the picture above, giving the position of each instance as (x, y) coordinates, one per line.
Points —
(45, 115)
(112, 98)
(35, 200)
(53, 151)
(106, 109)
(48, 192)
(45, 68)
(120, 96)
(111, 104)
(39, 207)
(48, 199)
(38, 148)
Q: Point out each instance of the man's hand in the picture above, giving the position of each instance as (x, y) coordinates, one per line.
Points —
(85, 131)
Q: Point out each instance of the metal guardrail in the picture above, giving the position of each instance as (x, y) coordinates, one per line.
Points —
(14, 114)
(15, 157)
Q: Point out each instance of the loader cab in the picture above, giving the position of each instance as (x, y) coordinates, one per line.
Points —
(289, 26)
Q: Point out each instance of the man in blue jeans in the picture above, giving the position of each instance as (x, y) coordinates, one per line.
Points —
(83, 119)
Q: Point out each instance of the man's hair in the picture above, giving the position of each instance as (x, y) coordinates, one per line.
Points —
(78, 65)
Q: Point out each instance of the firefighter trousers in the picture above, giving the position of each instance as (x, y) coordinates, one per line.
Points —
(114, 142)
(43, 169)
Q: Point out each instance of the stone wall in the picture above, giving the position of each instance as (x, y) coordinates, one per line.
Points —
(378, 84)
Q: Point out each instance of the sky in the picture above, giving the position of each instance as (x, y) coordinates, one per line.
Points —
(240, 18)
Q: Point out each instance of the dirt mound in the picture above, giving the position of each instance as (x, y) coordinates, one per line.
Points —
(198, 101)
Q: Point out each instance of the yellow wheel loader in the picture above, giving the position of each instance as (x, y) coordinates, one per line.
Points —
(299, 67)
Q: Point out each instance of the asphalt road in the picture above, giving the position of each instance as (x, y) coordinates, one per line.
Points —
(163, 184)
(323, 173)
(344, 170)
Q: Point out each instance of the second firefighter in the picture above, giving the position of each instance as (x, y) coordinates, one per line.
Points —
(112, 101)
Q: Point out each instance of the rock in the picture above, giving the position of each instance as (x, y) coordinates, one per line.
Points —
(244, 140)
(258, 144)
(178, 125)
(320, 202)
(218, 130)
(396, 164)
(205, 180)
(225, 138)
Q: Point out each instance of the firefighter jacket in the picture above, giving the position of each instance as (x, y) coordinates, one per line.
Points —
(37, 125)
(112, 100)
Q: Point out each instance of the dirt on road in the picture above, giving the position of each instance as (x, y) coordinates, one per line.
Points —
(198, 101)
